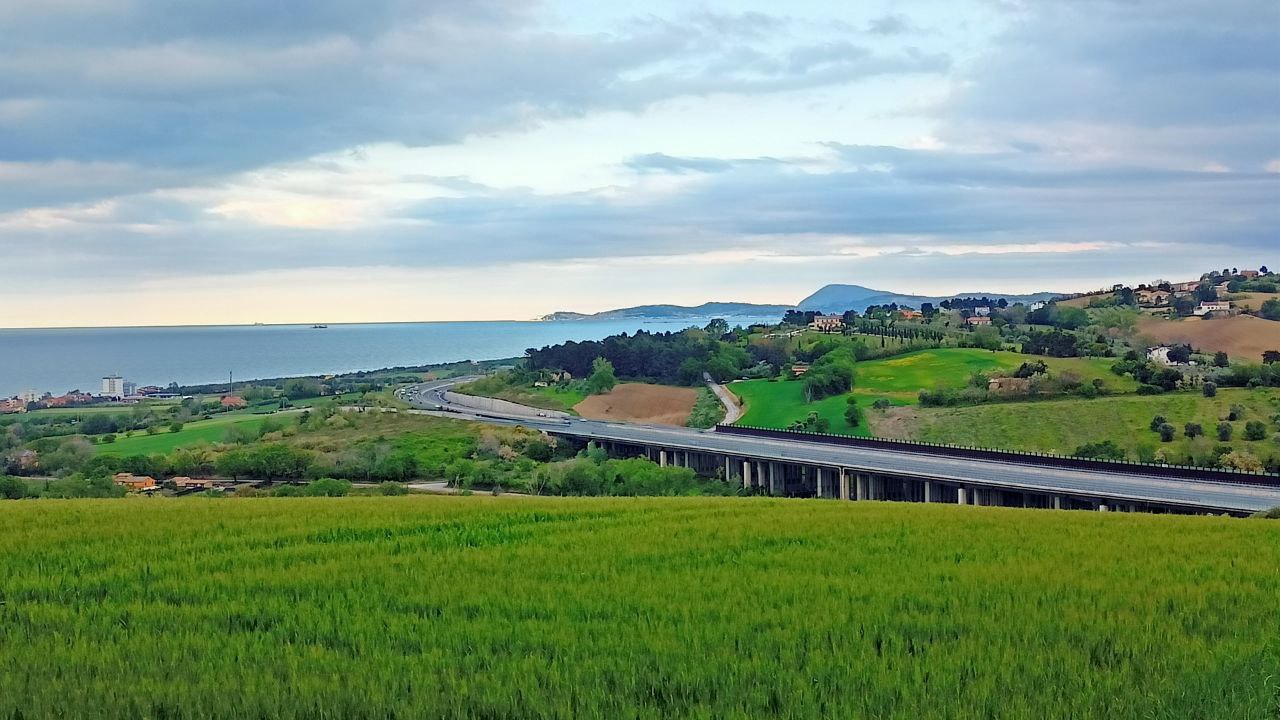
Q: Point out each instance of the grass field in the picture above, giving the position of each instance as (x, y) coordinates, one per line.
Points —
(736, 608)
(207, 431)
(1061, 426)
(552, 397)
(900, 379)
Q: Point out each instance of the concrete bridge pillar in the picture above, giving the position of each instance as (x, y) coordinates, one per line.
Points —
(820, 474)
(1057, 502)
(775, 479)
(1102, 507)
(746, 474)
(928, 491)
(662, 458)
(844, 484)
(861, 489)
(962, 496)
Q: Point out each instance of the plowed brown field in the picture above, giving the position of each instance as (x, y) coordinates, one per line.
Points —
(638, 402)
(1243, 337)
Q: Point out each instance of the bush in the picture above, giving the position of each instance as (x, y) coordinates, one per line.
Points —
(852, 413)
(392, 488)
(1235, 413)
(1156, 422)
(1105, 450)
(1150, 390)
(1209, 389)
(1255, 430)
(1225, 430)
(328, 487)
(1272, 514)
(1167, 432)
(1192, 430)
(882, 404)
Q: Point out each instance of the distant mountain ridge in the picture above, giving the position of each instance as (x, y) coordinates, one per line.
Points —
(838, 298)
(829, 299)
(677, 312)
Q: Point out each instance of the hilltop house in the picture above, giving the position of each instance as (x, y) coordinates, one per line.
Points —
(827, 323)
(185, 483)
(1153, 298)
(909, 314)
(1249, 274)
(798, 369)
(977, 320)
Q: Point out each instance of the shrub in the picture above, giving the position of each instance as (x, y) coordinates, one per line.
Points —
(1105, 450)
(1272, 514)
(1236, 412)
(1225, 430)
(1193, 429)
(392, 488)
(881, 404)
(1209, 389)
(852, 413)
(1156, 422)
(1167, 432)
(1255, 430)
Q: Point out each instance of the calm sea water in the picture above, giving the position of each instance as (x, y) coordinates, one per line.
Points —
(58, 360)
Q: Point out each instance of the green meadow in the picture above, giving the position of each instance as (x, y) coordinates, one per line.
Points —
(899, 380)
(1061, 426)
(465, 607)
(207, 431)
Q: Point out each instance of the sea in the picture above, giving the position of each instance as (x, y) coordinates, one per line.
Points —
(63, 359)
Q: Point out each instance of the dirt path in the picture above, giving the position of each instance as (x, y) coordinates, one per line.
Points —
(639, 402)
(732, 410)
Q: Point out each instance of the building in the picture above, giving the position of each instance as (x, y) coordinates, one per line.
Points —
(909, 314)
(827, 323)
(133, 482)
(233, 402)
(1037, 305)
(71, 399)
(1185, 287)
(1153, 298)
(1212, 306)
(1249, 274)
(983, 311)
(130, 389)
(799, 369)
(29, 396)
(12, 405)
(1009, 385)
(113, 387)
(186, 483)
(977, 320)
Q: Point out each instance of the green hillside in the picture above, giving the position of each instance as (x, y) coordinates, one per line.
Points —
(728, 608)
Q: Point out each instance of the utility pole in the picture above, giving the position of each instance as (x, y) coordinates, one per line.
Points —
(231, 385)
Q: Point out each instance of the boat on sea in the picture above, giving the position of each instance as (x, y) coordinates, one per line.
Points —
(319, 327)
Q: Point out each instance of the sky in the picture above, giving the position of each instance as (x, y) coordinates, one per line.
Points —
(233, 161)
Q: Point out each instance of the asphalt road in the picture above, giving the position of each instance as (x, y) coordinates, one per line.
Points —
(1198, 494)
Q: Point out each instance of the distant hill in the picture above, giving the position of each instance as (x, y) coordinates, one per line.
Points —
(832, 298)
(838, 298)
(727, 310)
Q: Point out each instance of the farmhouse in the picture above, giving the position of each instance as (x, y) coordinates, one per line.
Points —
(1009, 385)
(12, 405)
(977, 320)
(1185, 287)
(798, 369)
(909, 314)
(185, 483)
(1248, 274)
(133, 482)
(827, 323)
(1212, 306)
(1153, 298)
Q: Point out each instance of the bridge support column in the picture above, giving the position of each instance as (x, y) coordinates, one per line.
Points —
(1102, 507)
(728, 468)
(844, 484)
(819, 472)
(774, 479)
(1057, 502)
(746, 474)
(962, 496)
(662, 458)
(928, 491)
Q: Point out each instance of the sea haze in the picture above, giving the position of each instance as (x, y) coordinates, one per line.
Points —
(57, 360)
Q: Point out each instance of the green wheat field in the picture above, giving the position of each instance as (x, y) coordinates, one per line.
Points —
(482, 607)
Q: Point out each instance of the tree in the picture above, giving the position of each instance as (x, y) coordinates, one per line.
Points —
(1255, 430)
(1220, 359)
(1271, 309)
(175, 427)
(1180, 354)
(718, 327)
(1157, 421)
(1167, 432)
(602, 378)
(1225, 429)
(1270, 357)
(1193, 430)
(852, 413)
(1105, 450)
(1241, 460)
(12, 488)
(1209, 388)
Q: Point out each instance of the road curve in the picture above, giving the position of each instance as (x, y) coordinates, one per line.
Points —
(1189, 493)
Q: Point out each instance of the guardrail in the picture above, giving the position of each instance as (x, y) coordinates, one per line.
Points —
(1177, 472)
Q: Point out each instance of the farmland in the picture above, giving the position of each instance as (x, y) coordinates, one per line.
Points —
(1242, 337)
(1060, 426)
(900, 379)
(485, 607)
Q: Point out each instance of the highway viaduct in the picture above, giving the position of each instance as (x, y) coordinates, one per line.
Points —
(799, 467)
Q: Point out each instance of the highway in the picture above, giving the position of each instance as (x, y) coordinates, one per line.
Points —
(1189, 494)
